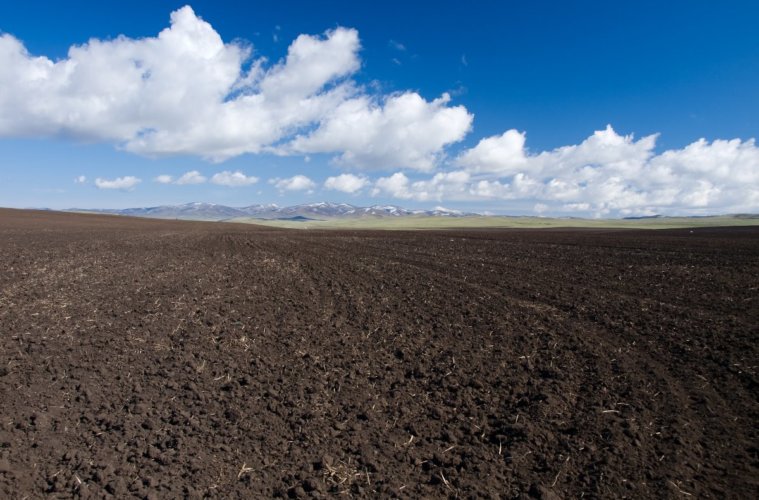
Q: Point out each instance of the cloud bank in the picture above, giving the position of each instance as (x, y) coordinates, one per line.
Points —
(186, 91)
(606, 174)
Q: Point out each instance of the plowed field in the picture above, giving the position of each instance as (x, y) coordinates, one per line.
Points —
(162, 359)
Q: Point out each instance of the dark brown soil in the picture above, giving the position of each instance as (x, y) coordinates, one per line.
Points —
(169, 359)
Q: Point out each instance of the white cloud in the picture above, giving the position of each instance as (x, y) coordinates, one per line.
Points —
(233, 179)
(295, 183)
(607, 174)
(442, 186)
(80, 179)
(506, 155)
(347, 183)
(125, 183)
(164, 179)
(502, 154)
(191, 177)
(539, 208)
(404, 131)
(186, 91)
(396, 45)
(397, 186)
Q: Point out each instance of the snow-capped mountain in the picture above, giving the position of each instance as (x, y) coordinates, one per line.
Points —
(190, 211)
(309, 211)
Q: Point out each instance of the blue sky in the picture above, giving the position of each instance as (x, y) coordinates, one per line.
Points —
(500, 107)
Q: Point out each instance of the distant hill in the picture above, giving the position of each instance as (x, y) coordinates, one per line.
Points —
(304, 212)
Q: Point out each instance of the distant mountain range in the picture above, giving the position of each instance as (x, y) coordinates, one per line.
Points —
(310, 211)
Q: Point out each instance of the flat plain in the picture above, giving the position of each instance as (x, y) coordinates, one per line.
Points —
(503, 222)
(164, 359)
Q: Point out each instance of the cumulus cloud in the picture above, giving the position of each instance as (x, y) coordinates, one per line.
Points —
(404, 131)
(397, 186)
(500, 154)
(191, 177)
(347, 183)
(606, 174)
(233, 179)
(294, 183)
(80, 179)
(125, 183)
(164, 179)
(225, 178)
(442, 186)
(186, 91)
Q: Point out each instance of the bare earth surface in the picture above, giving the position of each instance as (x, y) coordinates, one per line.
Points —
(168, 359)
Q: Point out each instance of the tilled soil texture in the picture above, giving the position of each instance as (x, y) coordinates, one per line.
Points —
(163, 359)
